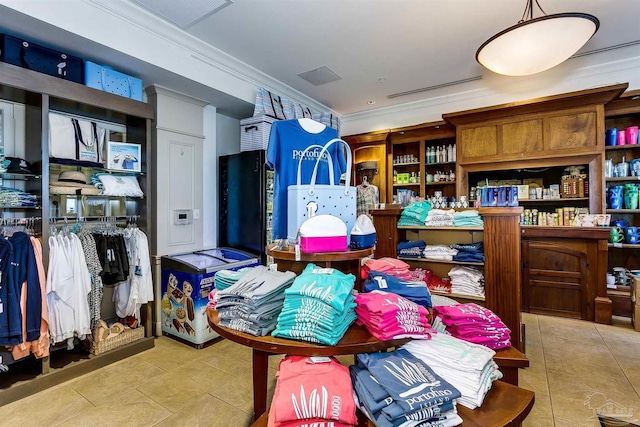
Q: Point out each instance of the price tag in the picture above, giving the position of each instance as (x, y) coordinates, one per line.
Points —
(273, 267)
(382, 283)
(617, 245)
(320, 359)
(323, 271)
(297, 251)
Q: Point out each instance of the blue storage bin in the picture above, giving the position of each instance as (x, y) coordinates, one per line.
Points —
(363, 241)
(109, 80)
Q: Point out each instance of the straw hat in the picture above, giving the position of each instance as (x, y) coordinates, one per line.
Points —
(72, 183)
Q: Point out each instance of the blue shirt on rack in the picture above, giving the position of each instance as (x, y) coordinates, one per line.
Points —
(287, 141)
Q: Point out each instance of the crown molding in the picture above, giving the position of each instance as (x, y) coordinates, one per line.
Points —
(200, 51)
(494, 90)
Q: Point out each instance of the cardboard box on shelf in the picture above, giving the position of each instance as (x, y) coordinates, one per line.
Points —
(523, 192)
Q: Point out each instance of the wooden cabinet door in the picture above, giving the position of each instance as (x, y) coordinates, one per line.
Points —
(477, 143)
(555, 279)
(572, 131)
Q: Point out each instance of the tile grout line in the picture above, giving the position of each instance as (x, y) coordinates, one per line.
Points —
(546, 372)
(618, 363)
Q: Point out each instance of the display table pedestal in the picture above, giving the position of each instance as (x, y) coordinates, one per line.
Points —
(346, 262)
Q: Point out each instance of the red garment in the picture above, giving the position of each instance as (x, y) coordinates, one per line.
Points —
(307, 392)
(391, 266)
(439, 285)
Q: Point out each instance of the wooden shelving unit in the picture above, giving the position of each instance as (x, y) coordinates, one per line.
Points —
(41, 94)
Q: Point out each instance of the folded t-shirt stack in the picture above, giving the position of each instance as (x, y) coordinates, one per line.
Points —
(473, 323)
(467, 280)
(415, 213)
(12, 197)
(312, 391)
(318, 307)
(469, 252)
(410, 249)
(439, 252)
(389, 316)
(413, 291)
(398, 389)
(222, 280)
(468, 367)
(439, 218)
(253, 303)
(467, 218)
(387, 265)
(226, 278)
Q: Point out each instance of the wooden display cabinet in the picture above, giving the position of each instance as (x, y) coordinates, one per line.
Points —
(415, 141)
(366, 148)
(620, 114)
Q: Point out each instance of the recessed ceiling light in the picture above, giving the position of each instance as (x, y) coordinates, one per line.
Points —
(371, 102)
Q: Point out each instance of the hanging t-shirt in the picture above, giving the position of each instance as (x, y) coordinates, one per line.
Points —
(287, 141)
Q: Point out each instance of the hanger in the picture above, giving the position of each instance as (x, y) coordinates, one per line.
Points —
(311, 125)
(365, 181)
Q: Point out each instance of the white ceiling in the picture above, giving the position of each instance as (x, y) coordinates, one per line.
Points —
(408, 44)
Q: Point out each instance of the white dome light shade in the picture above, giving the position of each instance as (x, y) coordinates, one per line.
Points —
(537, 45)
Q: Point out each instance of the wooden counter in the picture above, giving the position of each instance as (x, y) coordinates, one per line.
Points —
(564, 272)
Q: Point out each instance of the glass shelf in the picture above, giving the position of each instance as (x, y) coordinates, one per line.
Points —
(61, 166)
(406, 164)
(18, 176)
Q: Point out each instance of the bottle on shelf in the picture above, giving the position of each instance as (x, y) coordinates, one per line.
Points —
(450, 153)
(454, 153)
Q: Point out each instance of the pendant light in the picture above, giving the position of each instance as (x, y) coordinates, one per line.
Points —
(534, 45)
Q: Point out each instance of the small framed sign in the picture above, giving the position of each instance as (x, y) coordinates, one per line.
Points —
(123, 156)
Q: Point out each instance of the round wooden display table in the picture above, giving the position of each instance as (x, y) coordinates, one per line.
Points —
(347, 262)
(356, 340)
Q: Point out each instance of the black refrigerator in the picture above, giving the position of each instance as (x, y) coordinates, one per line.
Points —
(245, 202)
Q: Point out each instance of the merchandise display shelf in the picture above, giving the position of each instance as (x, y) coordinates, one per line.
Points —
(440, 183)
(622, 211)
(621, 147)
(440, 164)
(18, 176)
(406, 164)
(623, 246)
(53, 166)
(460, 296)
(623, 179)
(560, 200)
(424, 227)
(407, 184)
(440, 261)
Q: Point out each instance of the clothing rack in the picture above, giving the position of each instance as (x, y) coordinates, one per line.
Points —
(9, 226)
(101, 224)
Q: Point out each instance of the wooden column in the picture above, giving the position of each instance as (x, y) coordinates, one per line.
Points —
(502, 267)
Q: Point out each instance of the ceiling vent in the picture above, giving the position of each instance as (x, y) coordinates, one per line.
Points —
(440, 86)
(320, 76)
(183, 14)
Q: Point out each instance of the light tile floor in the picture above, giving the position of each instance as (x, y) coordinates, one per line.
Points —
(577, 368)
